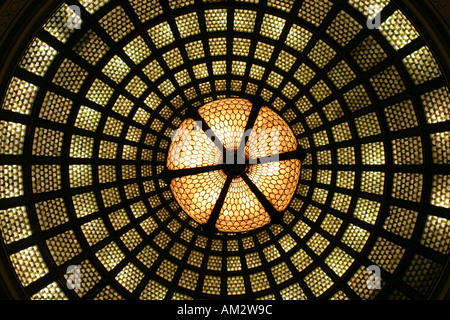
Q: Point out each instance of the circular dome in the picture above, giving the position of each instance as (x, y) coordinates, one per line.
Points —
(92, 92)
(227, 163)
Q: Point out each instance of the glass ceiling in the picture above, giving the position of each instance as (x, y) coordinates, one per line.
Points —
(86, 124)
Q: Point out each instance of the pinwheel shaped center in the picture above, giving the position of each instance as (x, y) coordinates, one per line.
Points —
(233, 165)
(234, 169)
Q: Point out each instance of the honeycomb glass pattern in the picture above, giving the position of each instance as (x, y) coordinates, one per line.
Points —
(227, 119)
(197, 194)
(192, 148)
(90, 117)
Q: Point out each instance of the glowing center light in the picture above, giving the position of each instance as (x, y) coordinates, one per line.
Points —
(233, 165)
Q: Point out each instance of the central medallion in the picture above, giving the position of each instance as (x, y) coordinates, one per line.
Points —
(233, 165)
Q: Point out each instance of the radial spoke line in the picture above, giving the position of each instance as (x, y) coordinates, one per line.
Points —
(257, 105)
(210, 226)
(171, 174)
(274, 214)
(195, 115)
(295, 154)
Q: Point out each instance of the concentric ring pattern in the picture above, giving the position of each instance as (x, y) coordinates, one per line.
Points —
(86, 123)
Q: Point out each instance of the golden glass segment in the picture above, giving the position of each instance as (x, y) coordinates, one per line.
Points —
(198, 193)
(192, 148)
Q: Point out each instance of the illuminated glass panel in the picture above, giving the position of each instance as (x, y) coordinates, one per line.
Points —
(398, 30)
